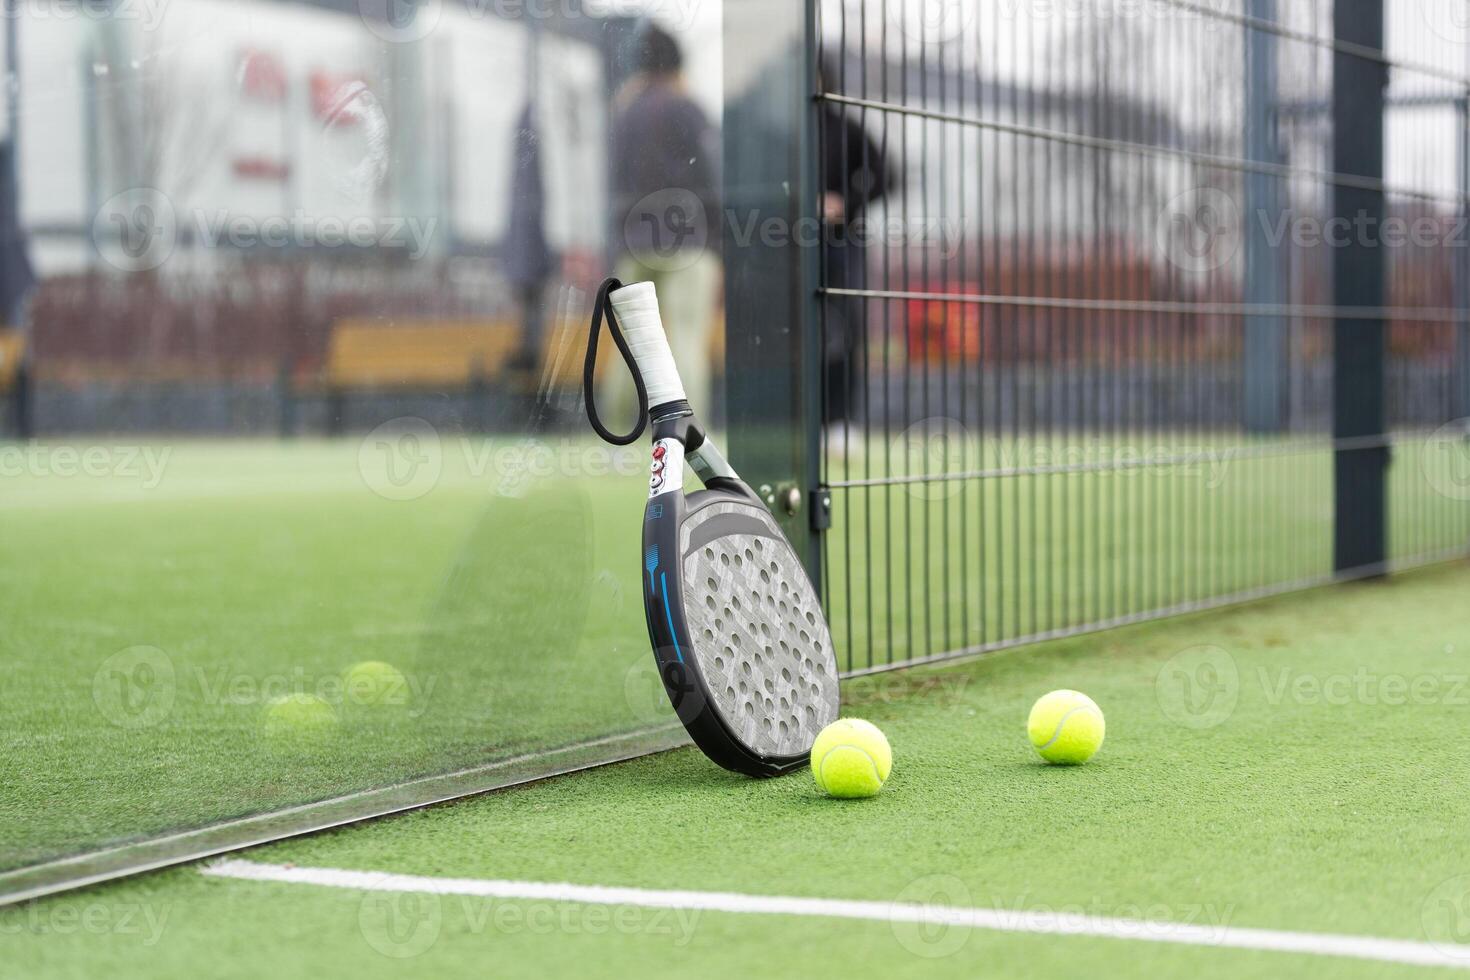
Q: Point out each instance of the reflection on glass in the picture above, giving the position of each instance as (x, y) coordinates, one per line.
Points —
(296, 499)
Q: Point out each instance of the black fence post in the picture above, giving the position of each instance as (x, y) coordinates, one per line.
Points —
(1460, 366)
(477, 392)
(771, 252)
(1359, 276)
(22, 422)
(1265, 346)
(336, 404)
(286, 398)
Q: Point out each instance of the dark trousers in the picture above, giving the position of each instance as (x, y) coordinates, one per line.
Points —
(845, 334)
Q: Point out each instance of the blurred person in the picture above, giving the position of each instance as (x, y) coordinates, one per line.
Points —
(529, 260)
(855, 174)
(666, 212)
(17, 278)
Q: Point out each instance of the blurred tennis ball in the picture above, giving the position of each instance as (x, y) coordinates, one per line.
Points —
(298, 717)
(851, 759)
(375, 682)
(1066, 727)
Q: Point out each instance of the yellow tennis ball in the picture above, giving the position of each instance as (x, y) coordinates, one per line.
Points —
(851, 759)
(1066, 727)
(299, 718)
(374, 682)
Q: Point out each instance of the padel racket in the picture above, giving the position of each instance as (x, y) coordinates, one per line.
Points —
(737, 630)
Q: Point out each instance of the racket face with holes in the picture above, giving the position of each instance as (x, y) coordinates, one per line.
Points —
(741, 641)
(737, 630)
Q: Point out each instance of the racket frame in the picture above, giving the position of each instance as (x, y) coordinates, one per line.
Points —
(663, 590)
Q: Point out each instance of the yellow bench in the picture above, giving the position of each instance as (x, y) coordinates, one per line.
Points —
(12, 350)
(365, 353)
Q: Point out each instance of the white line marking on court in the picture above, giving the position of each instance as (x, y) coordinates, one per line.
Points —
(999, 920)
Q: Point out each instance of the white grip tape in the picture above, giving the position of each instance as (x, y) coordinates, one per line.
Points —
(637, 310)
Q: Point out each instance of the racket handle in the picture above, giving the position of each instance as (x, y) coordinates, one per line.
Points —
(643, 328)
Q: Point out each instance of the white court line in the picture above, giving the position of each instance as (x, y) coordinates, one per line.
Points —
(1000, 920)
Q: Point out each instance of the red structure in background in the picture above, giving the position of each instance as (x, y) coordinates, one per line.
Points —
(262, 76)
(1040, 326)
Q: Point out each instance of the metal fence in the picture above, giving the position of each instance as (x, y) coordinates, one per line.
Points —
(1130, 309)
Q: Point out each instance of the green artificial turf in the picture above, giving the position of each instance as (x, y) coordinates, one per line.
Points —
(256, 569)
(1322, 789)
(154, 606)
(918, 569)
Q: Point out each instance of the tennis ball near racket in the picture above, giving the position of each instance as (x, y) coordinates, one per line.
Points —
(1066, 727)
(374, 682)
(851, 759)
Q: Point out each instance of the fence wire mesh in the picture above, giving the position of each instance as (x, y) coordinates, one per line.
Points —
(1078, 312)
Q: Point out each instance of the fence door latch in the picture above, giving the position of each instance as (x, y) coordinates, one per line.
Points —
(821, 509)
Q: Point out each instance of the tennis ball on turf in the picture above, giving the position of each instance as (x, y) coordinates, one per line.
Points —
(299, 717)
(1066, 727)
(851, 759)
(374, 682)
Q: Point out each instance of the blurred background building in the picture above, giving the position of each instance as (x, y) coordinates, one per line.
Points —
(250, 217)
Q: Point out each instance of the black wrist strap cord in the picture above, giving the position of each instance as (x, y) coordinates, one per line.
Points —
(589, 368)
